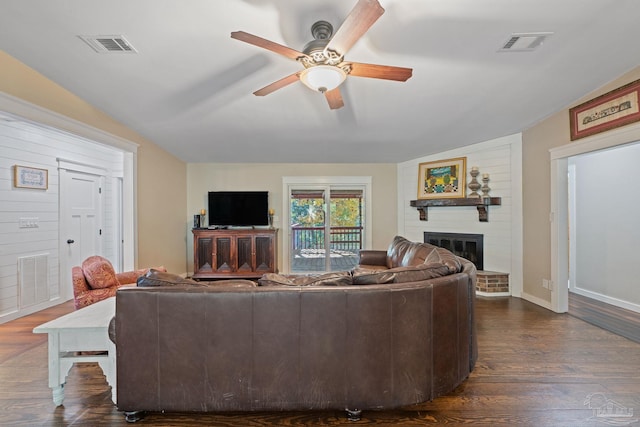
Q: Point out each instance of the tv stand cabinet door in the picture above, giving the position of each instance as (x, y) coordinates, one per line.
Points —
(265, 254)
(202, 254)
(245, 254)
(225, 254)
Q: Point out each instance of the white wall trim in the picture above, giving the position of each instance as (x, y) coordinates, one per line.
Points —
(44, 117)
(559, 220)
(517, 221)
(81, 167)
(609, 139)
(493, 294)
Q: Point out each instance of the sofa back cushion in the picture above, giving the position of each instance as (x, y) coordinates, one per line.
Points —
(368, 276)
(405, 253)
(416, 273)
(99, 272)
(443, 256)
(338, 278)
(155, 277)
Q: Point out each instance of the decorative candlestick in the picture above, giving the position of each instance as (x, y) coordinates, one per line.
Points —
(202, 215)
(271, 214)
(485, 185)
(474, 185)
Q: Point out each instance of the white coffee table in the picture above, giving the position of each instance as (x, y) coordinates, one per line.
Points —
(84, 330)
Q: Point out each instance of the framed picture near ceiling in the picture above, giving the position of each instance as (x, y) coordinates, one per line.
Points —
(611, 110)
(27, 177)
(442, 179)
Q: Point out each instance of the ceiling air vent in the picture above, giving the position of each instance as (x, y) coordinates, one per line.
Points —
(109, 44)
(524, 42)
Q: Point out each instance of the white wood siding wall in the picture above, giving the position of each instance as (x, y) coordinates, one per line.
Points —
(26, 144)
(502, 160)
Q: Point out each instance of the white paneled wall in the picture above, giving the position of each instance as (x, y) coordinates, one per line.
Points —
(502, 159)
(26, 144)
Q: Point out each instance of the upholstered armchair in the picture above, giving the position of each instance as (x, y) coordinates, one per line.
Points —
(96, 280)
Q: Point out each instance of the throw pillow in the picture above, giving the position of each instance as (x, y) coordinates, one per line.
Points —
(341, 278)
(367, 276)
(99, 272)
(155, 278)
(419, 272)
(442, 256)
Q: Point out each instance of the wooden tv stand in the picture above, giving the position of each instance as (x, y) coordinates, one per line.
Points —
(234, 253)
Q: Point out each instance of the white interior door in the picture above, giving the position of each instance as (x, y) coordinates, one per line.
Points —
(80, 222)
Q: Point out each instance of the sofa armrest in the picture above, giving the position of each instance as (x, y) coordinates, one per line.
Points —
(80, 285)
(373, 257)
(129, 277)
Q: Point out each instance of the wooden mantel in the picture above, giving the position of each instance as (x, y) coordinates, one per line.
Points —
(482, 203)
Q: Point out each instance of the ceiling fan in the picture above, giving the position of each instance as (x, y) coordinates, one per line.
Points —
(323, 58)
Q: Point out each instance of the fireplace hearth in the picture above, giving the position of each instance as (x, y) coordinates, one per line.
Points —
(465, 245)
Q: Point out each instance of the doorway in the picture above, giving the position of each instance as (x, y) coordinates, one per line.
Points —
(326, 228)
(560, 205)
(603, 238)
(326, 220)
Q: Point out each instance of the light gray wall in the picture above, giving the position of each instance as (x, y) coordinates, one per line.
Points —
(605, 240)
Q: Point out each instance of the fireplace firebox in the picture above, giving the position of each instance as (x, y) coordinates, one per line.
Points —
(465, 245)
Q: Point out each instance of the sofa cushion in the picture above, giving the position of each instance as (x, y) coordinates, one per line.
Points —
(340, 278)
(443, 256)
(405, 253)
(372, 276)
(230, 283)
(397, 249)
(155, 277)
(418, 272)
(99, 272)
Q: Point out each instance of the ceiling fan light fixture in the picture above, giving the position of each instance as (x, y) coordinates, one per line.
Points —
(322, 78)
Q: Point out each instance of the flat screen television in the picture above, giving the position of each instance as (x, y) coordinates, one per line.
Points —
(238, 208)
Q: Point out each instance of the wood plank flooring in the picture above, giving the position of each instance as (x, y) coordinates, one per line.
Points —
(615, 319)
(536, 368)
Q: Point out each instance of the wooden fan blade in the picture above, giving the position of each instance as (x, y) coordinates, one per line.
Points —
(334, 98)
(375, 71)
(278, 84)
(360, 19)
(267, 44)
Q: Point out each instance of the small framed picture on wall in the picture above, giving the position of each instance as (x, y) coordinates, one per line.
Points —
(28, 177)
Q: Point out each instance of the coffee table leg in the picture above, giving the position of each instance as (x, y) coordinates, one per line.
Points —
(57, 369)
(58, 394)
(108, 365)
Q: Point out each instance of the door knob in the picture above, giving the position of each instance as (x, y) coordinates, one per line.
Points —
(70, 241)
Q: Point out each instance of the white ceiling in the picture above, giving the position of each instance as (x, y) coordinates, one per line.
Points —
(189, 86)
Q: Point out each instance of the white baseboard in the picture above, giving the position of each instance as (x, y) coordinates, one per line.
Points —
(493, 294)
(13, 315)
(537, 301)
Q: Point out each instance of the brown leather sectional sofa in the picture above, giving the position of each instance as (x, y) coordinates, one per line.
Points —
(234, 346)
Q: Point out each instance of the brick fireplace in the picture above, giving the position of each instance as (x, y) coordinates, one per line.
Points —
(471, 247)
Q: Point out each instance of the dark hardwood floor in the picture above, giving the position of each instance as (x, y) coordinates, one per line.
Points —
(615, 319)
(536, 368)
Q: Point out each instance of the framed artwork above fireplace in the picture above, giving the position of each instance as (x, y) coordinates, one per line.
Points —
(442, 178)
